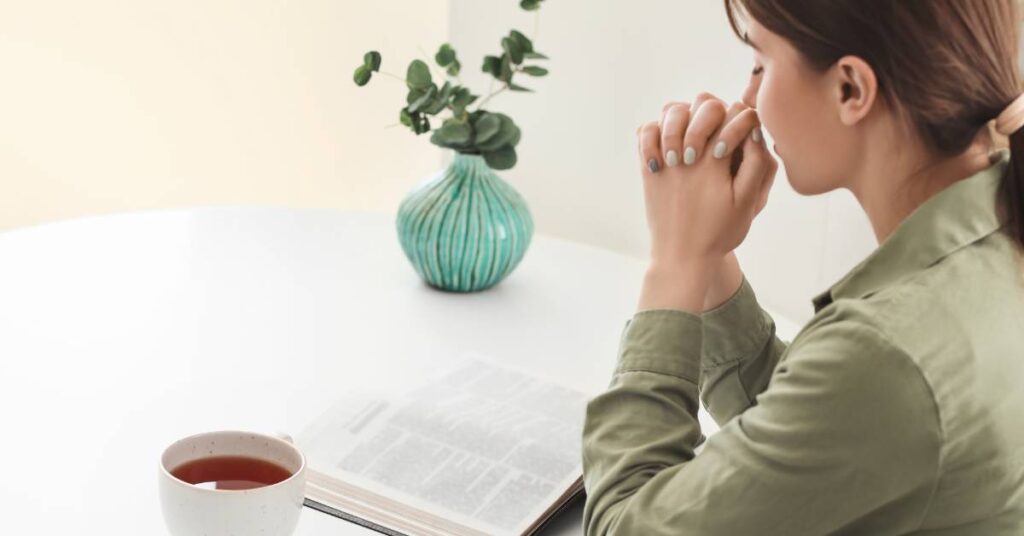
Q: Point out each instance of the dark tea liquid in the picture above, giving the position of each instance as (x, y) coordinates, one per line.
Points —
(230, 472)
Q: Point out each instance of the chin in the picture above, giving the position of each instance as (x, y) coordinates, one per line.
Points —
(805, 185)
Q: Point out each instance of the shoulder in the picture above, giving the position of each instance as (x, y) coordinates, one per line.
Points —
(849, 352)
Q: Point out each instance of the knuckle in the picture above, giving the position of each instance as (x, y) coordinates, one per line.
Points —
(678, 108)
(715, 106)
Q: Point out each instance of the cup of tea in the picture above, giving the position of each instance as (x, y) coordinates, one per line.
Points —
(232, 482)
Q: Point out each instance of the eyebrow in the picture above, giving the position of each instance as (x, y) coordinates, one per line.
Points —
(746, 37)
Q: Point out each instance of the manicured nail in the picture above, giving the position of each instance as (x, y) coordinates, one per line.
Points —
(756, 135)
(653, 165)
(672, 158)
(719, 150)
(689, 156)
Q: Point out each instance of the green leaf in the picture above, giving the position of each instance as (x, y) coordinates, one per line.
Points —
(513, 49)
(506, 69)
(504, 135)
(492, 66)
(501, 158)
(454, 68)
(516, 134)
(486, 127)
(534, 56)
(372, 60)
(418, 75)
(461, 99)
(361, 76)
(441, 101)
(445, 55)
(454, 131)
(534, 70)
(515, 87)
(424, 100)
(423, 125)
(524, 43)
(530, 5)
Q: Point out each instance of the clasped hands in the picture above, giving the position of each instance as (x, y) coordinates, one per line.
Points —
(706, 175)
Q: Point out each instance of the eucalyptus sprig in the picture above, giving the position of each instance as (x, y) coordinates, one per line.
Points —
(491, 134)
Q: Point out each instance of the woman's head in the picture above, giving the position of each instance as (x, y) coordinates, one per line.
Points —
(832, 76)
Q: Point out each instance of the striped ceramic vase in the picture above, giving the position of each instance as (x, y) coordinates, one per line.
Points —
(464, 229)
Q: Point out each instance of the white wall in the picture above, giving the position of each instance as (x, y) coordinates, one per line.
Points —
(613, 65)
(111, 105)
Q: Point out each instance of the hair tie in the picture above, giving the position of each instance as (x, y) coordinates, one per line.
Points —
(1012, 118)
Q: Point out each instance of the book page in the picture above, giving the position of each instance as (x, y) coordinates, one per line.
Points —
(482, 444)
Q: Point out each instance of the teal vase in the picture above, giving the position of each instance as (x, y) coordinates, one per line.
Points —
(464, 229)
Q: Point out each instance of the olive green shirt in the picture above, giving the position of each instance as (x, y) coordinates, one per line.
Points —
(897, 409)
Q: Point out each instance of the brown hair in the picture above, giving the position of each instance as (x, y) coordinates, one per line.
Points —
(947, 67)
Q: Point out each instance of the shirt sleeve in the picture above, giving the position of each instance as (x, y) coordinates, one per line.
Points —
(847, 426)
(739, 353)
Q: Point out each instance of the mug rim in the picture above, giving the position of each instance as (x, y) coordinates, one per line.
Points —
(167, 474)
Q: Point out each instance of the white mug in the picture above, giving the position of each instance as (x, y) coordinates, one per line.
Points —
(273, 510)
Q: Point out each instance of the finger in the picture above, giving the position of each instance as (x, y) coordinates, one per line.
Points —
(732, 134)
(704, 122)
(673, 127)
(767, 183)
(650, 147)
(747, 186)
(665, 108)
(734, 110)
(701, 98)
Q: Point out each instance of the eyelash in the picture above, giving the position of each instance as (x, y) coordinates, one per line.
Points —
(757, 71)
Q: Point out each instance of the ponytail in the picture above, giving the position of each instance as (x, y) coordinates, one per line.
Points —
(1011, 189)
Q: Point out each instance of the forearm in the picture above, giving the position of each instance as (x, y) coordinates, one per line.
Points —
(681, 287)
(724, 283)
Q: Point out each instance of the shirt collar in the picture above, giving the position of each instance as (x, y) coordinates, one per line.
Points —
(960, 214)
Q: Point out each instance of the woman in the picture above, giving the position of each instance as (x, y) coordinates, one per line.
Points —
(899, 407)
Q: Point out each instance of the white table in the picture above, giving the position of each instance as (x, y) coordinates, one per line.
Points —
(120, 334)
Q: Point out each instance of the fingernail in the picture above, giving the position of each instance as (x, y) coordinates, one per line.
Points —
(719, 150)
(756, 135)
(689, 155)
(653, 165)
(672, 158)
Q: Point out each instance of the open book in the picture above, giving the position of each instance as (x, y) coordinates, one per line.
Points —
(477, 449)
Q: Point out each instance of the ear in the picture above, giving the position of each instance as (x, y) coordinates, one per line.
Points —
(857, 89)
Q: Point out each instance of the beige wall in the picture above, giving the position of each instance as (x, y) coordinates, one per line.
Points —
(110, 105)
(114, 106)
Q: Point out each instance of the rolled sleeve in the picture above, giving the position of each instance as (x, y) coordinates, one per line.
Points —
(739, 352)
(664, 341)
(736, 329)
(848, 427)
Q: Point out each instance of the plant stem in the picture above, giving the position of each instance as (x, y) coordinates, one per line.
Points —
(396, 77)
(430, 63)
(536, 26)
(487, 98)
(503, 88)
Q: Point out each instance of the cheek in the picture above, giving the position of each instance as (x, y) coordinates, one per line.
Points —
(793, 116)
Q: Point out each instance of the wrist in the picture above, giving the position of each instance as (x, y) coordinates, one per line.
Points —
(726, 281)
(678, 286)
